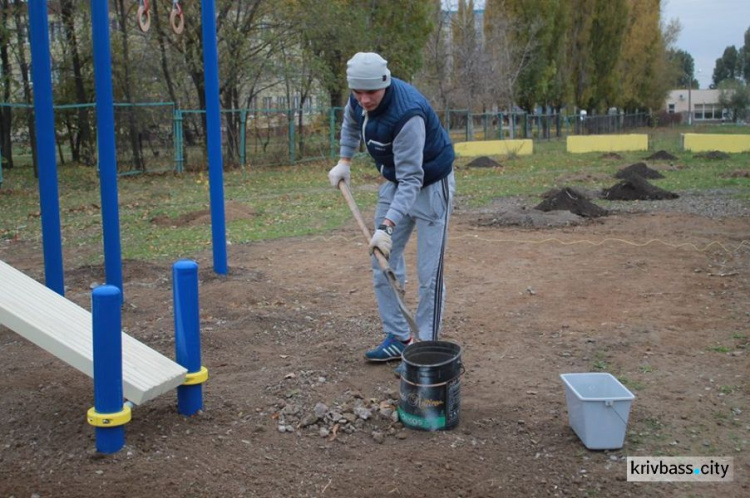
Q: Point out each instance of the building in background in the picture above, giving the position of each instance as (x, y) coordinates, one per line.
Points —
(704, 104)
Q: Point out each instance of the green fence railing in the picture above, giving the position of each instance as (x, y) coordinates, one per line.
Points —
(157, 137)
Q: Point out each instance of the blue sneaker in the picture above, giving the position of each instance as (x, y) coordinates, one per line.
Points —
(390, 349)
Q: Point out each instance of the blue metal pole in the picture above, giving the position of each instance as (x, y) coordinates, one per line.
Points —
(105, 121)
(49, 201)
(187, 333)
(105, 309)
(213, 122)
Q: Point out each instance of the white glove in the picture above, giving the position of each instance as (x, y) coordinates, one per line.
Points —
(339, 172)
(381, 240)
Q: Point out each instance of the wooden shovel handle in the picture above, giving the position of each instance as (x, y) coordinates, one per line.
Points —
(382, 261)
(398, 290)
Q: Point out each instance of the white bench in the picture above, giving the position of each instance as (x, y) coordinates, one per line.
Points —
(66, 330)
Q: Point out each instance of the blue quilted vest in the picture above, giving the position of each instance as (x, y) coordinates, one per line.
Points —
(400, 103)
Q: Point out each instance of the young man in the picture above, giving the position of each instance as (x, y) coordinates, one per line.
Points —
(415, 155)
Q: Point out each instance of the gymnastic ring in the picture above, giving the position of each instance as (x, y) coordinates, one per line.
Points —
(144, 17)
(177, 20)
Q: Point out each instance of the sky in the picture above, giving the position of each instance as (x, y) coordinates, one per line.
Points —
(708, 27)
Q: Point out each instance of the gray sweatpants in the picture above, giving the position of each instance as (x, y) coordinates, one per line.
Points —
(429, 215)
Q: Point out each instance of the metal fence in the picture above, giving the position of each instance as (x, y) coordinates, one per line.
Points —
(466, 126)
(158, 137)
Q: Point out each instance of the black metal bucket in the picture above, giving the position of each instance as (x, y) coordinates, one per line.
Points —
(430, 391)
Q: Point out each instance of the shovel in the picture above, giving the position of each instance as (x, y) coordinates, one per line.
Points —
(398, 291)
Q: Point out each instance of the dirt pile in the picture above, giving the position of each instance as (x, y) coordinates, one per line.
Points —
(579, 192)
(740, 173)
(661, 155)
(712, 155)
(611, 155)
(531, 218)
(568, 199)
(483, 162)
(636, 188)
(233, 211)
(638, 169)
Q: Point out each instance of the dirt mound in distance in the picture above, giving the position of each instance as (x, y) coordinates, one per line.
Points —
(740, 173)
(233, 211)
(661, 155)
(636, 189)
(714, 154)
(579, 192)
(531, 218)
(611, 155)
(568, 199)
(638, 169)
(483, 162)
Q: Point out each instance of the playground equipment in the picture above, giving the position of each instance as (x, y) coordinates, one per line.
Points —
(94, 344)
(44, 114)
(176, 17)
(44, 117)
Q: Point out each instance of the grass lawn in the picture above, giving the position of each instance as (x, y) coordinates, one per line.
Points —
(291, 201)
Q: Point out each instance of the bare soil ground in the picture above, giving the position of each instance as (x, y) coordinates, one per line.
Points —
(656, 294)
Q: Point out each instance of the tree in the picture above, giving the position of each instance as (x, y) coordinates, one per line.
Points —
(642, 58)
(467, 55)
(579, 56)
(745, 57)
(559, 91)
(536, 25)
(434, 77)
(735, 96)
(6, 71)
(682, 68)
(606, 43)
(727, 66)
(82, 145)
(253, 45)
(21, 27)
(325, 41)
(399, 29)
(126, 86)
(510, 43)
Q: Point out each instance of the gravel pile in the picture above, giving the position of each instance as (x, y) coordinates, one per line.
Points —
(297, 407)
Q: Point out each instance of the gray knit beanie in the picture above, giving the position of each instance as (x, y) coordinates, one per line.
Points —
(367, 71)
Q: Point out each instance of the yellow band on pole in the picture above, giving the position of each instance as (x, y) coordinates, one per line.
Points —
(194, 378)
(109, 419)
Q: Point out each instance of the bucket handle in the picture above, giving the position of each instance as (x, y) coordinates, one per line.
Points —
(461, 372)
(610, 403)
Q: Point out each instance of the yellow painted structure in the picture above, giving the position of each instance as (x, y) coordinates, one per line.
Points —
(580, 144)
(701, 142)
(495, 148)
